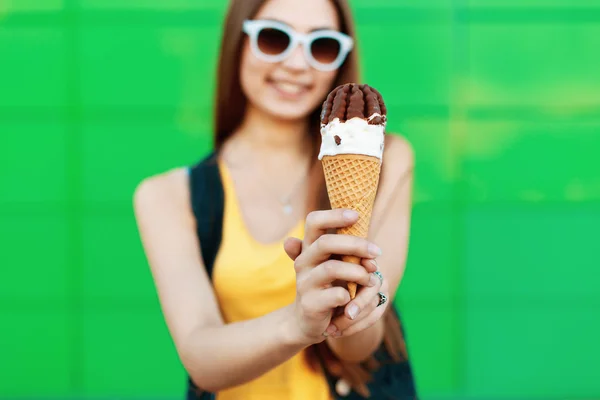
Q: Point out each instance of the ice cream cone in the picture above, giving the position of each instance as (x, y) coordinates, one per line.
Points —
(353, 120)
(352, 181)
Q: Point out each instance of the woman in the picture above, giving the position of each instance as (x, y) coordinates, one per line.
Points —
(253, 327)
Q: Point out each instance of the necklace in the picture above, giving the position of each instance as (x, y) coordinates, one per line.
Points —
(285, 201)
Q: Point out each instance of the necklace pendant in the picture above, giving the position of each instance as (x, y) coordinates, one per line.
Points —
(287, 209)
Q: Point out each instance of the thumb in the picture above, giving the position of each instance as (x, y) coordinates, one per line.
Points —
(293, 247)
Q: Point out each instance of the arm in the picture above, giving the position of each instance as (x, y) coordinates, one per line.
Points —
(390, 231)
(217, 356)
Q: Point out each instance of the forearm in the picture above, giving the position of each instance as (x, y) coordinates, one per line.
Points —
(360, 346)
(222, 357)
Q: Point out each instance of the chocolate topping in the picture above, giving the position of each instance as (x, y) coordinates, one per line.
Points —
(354, 101)
(338, 140)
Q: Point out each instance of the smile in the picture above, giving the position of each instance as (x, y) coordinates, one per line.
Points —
(289, 89)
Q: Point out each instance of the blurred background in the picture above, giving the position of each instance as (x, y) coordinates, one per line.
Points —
(500, 99)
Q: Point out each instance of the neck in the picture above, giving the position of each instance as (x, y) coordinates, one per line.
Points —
(268, 135)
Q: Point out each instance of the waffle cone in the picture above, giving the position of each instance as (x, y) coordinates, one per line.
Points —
(352, 181)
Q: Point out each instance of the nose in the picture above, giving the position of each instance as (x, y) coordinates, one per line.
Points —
(296, 60)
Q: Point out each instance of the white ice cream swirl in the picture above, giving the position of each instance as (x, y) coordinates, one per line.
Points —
(355, 136)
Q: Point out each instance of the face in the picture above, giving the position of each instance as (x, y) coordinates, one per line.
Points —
(289, 87)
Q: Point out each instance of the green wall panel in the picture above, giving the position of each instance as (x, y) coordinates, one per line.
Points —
(527, 161)
(115, 155)
(10, 6)
(34, 254)
(432, 256)
(500, 262)
(557, 339)
(499, 98)
(536, 64)
(36, 351)
(153, 4)
(128, 352)
(541, 4)
(437, 168)
(114, 75)
(32, 161)
(533, 311)
(433, 331)
(39, 55)
(125, 260)
(416, 59)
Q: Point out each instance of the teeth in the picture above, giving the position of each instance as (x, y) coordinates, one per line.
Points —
(289, 87)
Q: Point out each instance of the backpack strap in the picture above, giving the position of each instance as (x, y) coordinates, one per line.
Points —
(207, 199)
(208, 204)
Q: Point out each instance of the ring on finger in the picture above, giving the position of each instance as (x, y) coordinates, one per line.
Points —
(379, 275)
(382, 299)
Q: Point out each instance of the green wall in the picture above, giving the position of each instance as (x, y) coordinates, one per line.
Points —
(500, 98)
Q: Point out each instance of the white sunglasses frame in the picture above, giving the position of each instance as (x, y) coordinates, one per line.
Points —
(253, 27)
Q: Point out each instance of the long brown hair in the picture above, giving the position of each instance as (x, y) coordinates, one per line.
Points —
(230, 108)
(230, 104)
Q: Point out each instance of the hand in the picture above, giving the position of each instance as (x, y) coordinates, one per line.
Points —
(364, 310)
(317, 275)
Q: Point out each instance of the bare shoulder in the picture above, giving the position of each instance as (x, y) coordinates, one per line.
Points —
(398, 156)
(161, 201)
(164, 189)
(166, 227)
(394, 195)
(395, 182)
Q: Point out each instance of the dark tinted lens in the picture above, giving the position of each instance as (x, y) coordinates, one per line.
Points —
(325, 50)
(273, 41)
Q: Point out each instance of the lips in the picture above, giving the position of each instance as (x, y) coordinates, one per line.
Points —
(289, 88)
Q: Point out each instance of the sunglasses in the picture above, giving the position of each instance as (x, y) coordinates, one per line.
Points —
(273, 41)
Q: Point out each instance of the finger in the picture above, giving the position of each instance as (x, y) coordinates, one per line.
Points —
(364, 300)
(327, 245)
(370, 264)
(360, 308)
(366, 295)
(342, 322)
(318, 222)
(292, 247)
(334, 270)
(322, 302)
(365, 323)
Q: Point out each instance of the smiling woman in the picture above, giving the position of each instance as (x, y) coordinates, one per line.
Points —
(267, 70)
(253, 315)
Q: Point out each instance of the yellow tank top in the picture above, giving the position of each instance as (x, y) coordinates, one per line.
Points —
(252, 279)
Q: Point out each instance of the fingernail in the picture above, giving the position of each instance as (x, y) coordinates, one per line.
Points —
(374, 262)
(331, 329)
(337, 334)
(374, 250)
(373, 280)
(350, 215)
(353, 311)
